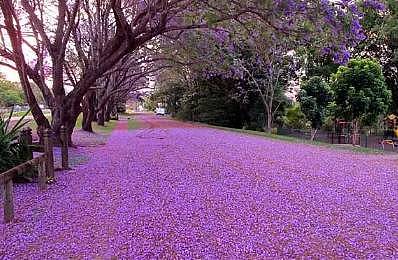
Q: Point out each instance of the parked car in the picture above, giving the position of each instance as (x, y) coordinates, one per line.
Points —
(160, 111)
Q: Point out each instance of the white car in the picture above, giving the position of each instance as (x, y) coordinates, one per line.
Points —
(160, 111)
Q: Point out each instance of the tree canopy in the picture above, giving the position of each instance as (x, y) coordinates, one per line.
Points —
(314, 97)
(360, 92)
(79, 44)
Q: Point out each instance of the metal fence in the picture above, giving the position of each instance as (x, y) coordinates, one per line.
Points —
(370, 140)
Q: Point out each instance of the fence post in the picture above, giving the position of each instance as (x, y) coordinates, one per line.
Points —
(42, 174)
(64, 148)
(26, 138)
(8, 201)
(48, 150)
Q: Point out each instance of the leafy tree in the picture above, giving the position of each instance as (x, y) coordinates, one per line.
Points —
(295, 118)
(314, 98)
(10, 93)
(316, 64)
(360, 93)
(381, 43)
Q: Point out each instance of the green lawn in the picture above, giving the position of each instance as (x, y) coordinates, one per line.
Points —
(133, 124)
(107, 129)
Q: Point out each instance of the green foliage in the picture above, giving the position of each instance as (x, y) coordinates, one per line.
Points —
(10, 93)
(314, 97)
(215, 101)
(360, 92)
(320, 66)
(211, 102)
(382, 44)
(295, 118)
(150, 103)
(12, 152)
(392, 22)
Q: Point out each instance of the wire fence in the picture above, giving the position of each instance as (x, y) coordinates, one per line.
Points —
(369, 139)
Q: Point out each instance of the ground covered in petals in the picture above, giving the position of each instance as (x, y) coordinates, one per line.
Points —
(173, 190)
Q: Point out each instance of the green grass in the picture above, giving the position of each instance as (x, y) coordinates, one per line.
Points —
(21, 113)
(133, 124)
(107, 129)
(302, 141)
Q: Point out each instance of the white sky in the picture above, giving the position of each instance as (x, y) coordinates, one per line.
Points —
(10, 74)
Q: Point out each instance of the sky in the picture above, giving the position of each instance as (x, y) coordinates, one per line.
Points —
(10, 74)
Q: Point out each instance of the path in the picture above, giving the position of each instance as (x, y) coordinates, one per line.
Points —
(172, 190)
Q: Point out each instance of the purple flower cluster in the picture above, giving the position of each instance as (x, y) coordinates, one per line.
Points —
(374, 4)
(174, 190)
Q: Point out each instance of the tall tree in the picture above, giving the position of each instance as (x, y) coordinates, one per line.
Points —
(360, 93)
(103, 32)
(314, 97)
(382, 44)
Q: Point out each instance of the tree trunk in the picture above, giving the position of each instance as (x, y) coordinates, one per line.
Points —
(65, 115)
(313, 133)
(16, 40)
(88, 111)
(101, 118)
(268, 125)
(108, 111)
(87, 120)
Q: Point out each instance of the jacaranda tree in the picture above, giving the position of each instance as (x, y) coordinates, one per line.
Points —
(116, 28)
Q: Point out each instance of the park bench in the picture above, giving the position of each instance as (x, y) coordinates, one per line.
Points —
(389, 138)
(393, 142)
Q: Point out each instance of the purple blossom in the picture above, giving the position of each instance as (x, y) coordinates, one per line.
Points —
(374, 4)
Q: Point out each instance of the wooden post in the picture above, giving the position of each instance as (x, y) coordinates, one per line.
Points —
(26, 138)
(64, 148)
(48, 150)
(8, 201)
(42, 174)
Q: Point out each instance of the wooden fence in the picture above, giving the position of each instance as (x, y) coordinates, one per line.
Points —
(44, 163)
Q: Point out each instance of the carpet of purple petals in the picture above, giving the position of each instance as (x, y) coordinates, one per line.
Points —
(171, 190)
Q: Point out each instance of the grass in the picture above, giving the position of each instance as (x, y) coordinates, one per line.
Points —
(133, 124)
(303, 141)
(107, 129)
(21, 113)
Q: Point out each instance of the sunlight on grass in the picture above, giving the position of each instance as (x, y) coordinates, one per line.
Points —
(107, 129)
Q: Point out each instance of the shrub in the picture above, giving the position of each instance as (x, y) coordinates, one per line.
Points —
(12, 151)
(295, 118)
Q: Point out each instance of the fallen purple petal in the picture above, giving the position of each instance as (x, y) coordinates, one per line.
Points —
(174, 190)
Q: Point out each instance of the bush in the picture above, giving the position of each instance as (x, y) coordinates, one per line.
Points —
(12, 151)
(314, 97)
(360, 91)
(295, 118)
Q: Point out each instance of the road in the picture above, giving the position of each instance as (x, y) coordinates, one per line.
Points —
(176, 190)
